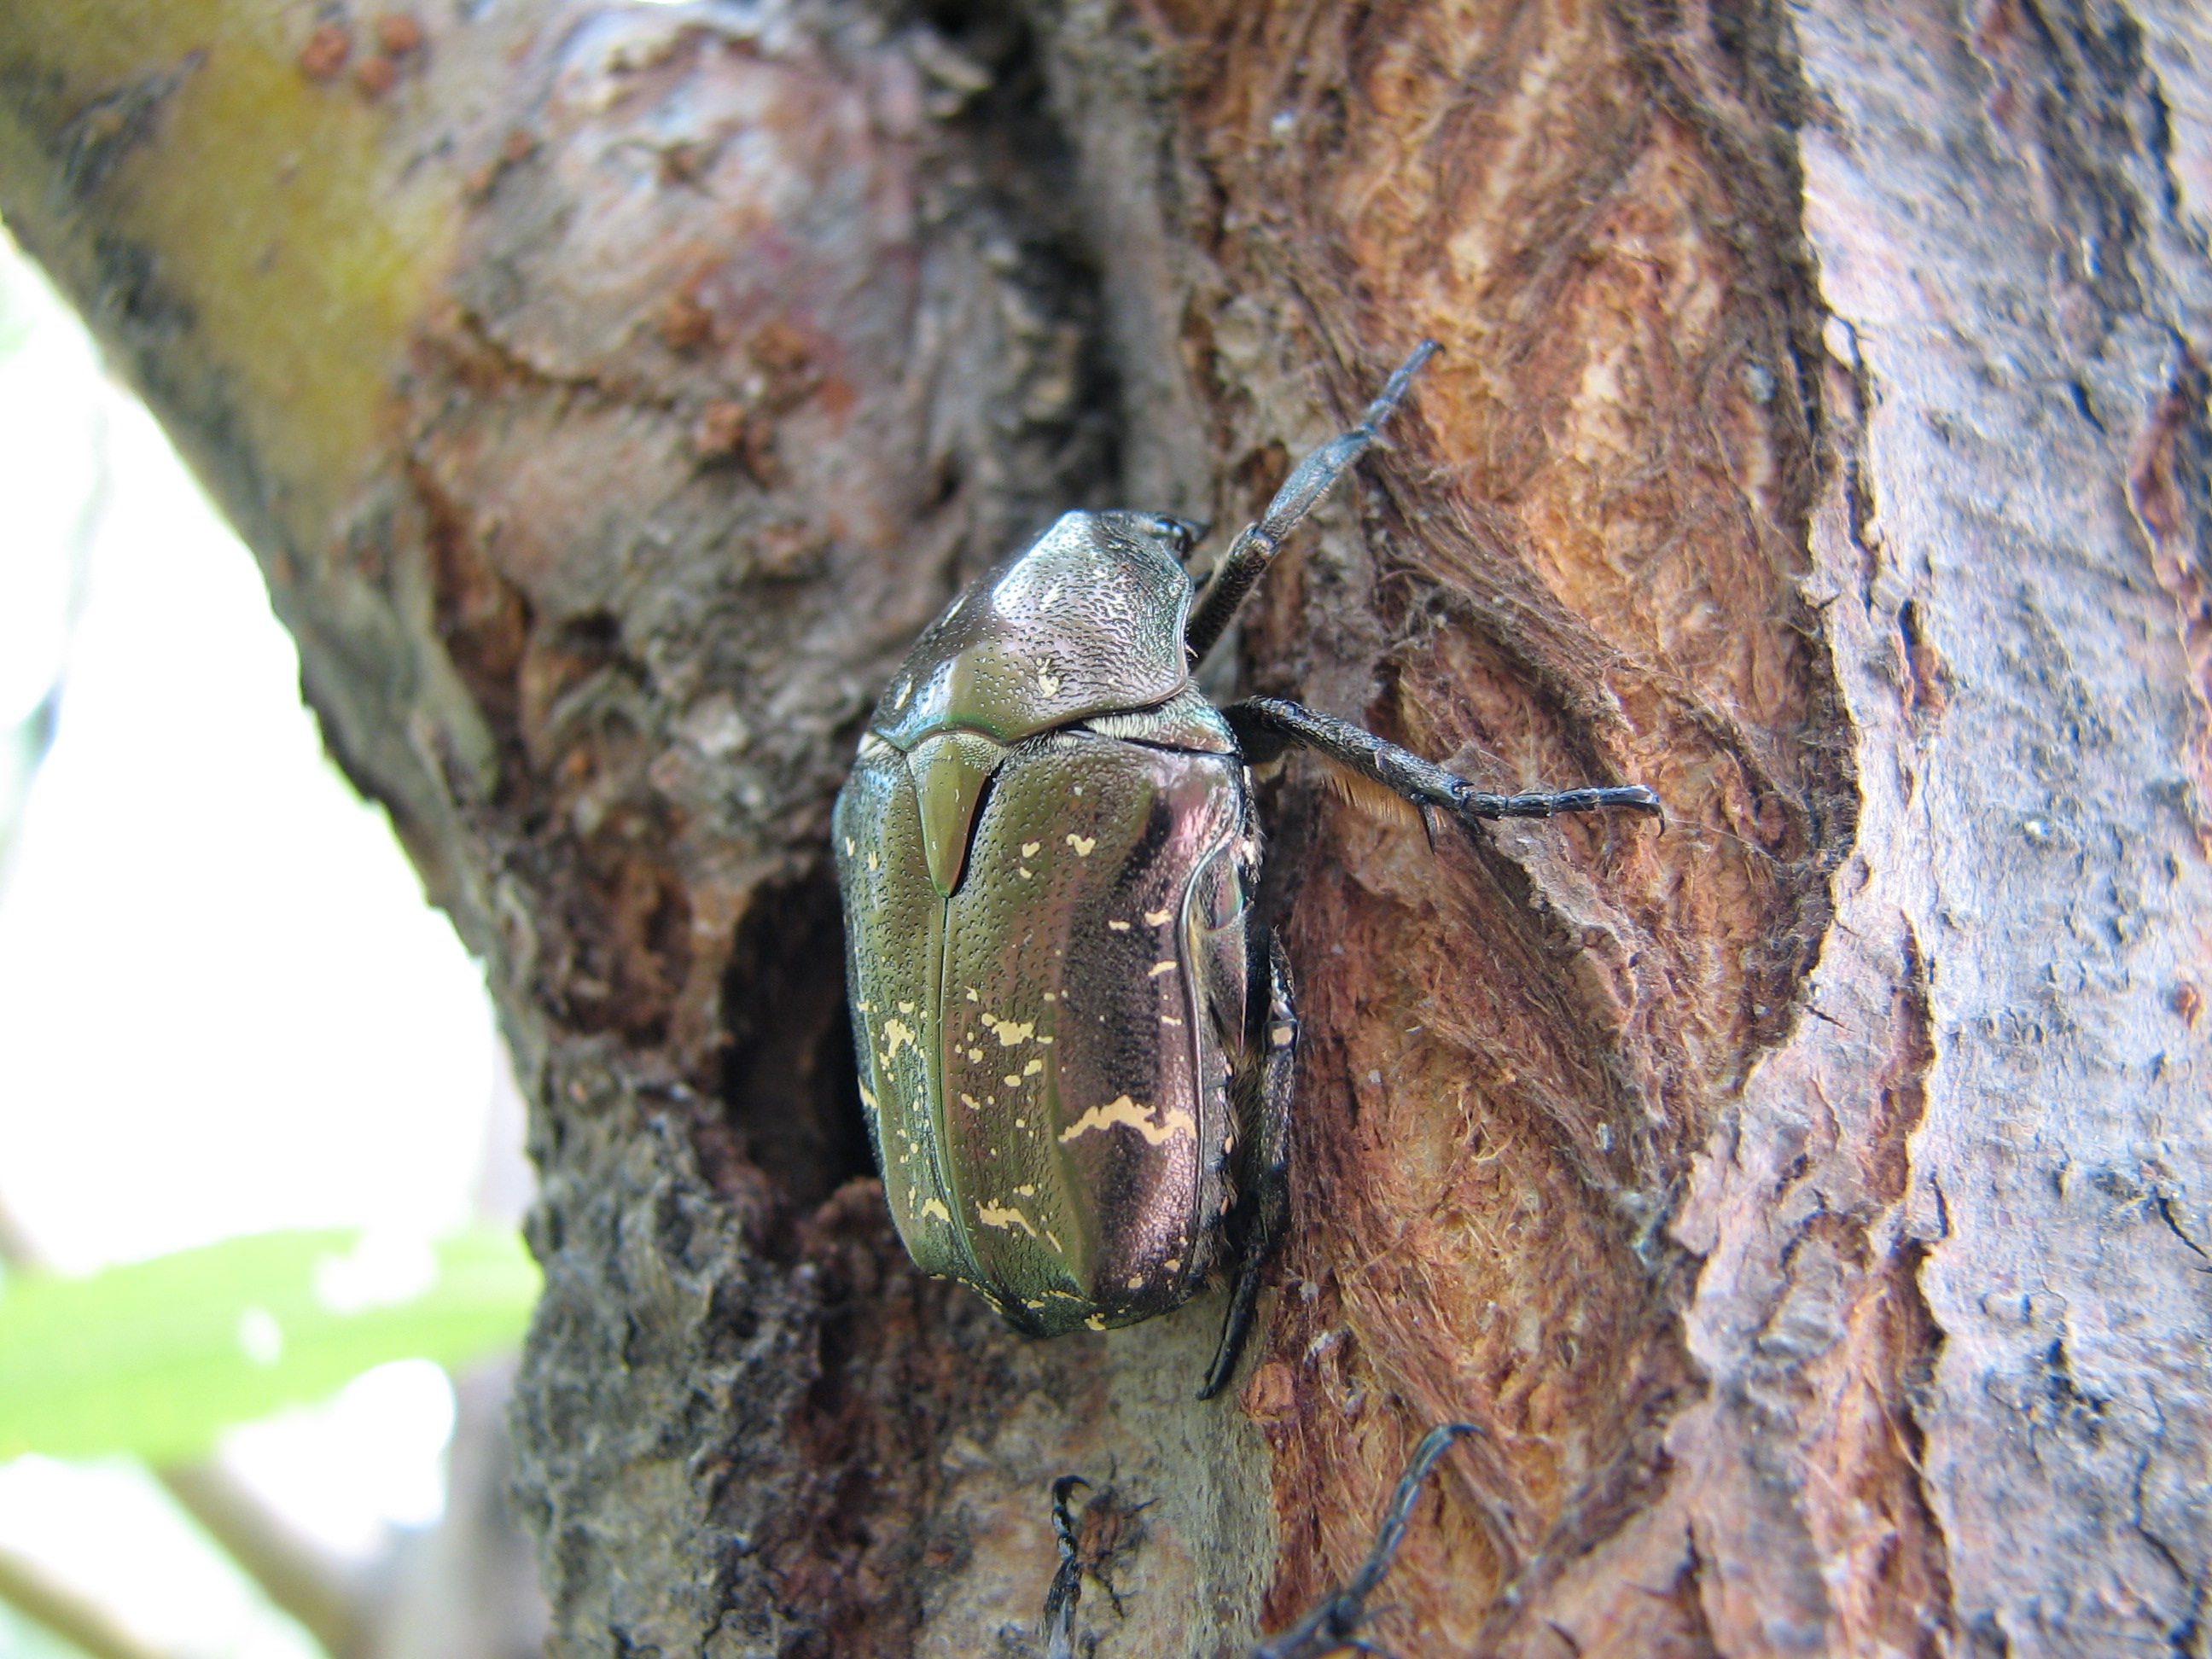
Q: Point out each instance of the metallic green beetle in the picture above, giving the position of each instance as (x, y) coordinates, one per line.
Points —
(1075, 1050)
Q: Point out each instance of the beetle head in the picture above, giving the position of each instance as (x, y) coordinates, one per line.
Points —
(1180, 534)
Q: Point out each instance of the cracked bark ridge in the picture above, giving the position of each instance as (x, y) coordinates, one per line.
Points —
(1808, 1201)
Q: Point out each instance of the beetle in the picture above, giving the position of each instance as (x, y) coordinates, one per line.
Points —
(1075, 1047)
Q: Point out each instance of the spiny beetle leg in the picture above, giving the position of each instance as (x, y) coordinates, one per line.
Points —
(1334, 1626)
(1066, 1589)
(1262, 1091)
(1265, 727)
(1256, 545)
(1089, 1544)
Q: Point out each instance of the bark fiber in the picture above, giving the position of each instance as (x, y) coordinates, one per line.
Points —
(1809, 1201)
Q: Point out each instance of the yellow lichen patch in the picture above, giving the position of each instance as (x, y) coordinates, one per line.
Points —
(1124, 1112)
(301, 278)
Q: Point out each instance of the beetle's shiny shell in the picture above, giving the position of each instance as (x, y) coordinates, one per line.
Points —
(1042, 1049)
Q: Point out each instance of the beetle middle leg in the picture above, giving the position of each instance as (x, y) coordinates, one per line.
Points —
(1261, 1091)
(1265, 726)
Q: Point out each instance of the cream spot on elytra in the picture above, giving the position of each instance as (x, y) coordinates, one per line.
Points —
(1006, 1220)
(1127, 1114)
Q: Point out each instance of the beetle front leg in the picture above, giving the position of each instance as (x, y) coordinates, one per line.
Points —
(1261, 1089)
(1255, 547)
(1265, 727)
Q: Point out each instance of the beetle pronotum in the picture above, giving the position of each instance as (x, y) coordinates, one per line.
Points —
(1075, 1049)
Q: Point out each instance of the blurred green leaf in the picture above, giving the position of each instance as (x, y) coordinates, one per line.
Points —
(156, 1357)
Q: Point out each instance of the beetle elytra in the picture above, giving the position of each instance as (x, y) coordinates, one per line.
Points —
(1075, 1049)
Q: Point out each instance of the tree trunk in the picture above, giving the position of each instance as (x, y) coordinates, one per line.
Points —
(1808, 1201)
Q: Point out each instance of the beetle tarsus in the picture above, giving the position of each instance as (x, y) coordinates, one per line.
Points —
(1089, 1544)
(1067, 1588)
(1265, 726)
(1334, 1626)
(1255, 547)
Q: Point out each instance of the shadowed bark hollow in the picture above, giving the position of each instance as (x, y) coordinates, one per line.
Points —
(1808, 1201)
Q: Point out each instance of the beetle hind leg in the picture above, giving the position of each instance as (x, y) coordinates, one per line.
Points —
(1261, 1091)
(1265, 726)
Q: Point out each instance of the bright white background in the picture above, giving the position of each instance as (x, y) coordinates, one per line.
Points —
(224, 1006)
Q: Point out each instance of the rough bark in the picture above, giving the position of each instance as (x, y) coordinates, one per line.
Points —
(1809, 1201)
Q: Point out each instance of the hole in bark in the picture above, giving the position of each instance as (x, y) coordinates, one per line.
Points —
(789, 1086)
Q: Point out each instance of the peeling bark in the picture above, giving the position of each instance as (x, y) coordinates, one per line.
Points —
(1808, 1202)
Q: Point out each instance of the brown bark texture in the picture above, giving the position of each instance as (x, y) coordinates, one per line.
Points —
(1809, 1201)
